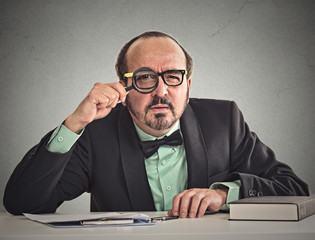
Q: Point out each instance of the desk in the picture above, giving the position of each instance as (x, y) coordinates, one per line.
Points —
(214, 226)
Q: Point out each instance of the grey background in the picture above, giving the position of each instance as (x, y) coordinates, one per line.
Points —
(258, 53)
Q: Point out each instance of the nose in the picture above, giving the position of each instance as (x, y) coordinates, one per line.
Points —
(161, 89)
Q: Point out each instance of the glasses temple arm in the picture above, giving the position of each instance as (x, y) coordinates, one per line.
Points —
(128, 88)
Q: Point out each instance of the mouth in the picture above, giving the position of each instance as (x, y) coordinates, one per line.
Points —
(160, 108)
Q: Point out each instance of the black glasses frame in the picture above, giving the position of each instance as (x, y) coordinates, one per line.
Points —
(161, 74)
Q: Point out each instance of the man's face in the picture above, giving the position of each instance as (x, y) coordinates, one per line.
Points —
(155, 113)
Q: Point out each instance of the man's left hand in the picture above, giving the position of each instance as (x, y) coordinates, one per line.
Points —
(194, 202)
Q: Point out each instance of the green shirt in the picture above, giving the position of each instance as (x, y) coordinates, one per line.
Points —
(166, 169)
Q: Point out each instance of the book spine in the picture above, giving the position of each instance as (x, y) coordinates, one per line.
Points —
(306, 209)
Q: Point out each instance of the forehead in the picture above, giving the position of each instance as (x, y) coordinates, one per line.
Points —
(155, 52)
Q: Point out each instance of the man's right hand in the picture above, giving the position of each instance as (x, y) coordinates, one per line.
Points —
(97, 104)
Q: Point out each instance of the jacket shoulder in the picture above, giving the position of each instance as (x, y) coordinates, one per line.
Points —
(215, 112)
(208, 106)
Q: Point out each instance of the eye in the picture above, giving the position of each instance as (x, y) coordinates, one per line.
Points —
(144, 77)
(145, 80)
(173, 77)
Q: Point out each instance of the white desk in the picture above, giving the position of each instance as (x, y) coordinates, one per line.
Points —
(212, 227)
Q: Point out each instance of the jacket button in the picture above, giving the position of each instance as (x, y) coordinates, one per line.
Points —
(252, 193)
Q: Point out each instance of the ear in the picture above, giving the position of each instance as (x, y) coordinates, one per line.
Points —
(189, 88)
(189, 83)
(122, 82)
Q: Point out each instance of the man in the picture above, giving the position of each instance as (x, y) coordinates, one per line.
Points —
(208, 158)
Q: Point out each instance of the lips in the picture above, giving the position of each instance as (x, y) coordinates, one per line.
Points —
(159, 107)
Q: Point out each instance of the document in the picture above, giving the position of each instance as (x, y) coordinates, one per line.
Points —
(93, 219)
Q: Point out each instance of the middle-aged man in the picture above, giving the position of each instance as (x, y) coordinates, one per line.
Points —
(109, 149)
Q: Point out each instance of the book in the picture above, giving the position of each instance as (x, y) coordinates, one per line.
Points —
(79, 220)
(273, 208)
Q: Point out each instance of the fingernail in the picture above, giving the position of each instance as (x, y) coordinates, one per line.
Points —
(175, 213)
(183, 215)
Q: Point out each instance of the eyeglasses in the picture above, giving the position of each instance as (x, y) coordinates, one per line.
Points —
(145, 80)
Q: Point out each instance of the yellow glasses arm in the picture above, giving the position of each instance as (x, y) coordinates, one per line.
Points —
(128, 75)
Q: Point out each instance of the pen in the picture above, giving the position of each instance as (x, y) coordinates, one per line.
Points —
(163, 218)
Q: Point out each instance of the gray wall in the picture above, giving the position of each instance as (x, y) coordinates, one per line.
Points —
(258, 53)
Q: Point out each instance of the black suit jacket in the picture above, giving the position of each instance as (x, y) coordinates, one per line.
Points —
(108, 162)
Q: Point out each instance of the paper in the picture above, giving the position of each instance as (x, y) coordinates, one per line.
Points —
(64, 220)
(67, 217)
(107, 222)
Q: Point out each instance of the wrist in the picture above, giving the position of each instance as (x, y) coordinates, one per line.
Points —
(73, 124)
(223, 195)
(233, 191)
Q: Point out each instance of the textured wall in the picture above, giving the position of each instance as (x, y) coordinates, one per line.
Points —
(258, 53)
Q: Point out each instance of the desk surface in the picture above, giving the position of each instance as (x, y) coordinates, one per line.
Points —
(214, 226)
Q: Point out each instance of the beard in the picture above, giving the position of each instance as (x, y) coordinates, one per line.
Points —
(158, 121)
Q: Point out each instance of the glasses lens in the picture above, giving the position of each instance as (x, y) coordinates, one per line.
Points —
(173, 77)
(145, 79)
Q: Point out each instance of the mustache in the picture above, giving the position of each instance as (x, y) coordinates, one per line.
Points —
(158, 100)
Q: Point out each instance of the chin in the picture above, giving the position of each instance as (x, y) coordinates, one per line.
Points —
(160, 121)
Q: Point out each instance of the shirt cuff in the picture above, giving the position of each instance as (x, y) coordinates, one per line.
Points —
(62, 139)
(233, 192)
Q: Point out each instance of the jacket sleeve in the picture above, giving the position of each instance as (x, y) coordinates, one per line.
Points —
(44, 179)
(256, 166)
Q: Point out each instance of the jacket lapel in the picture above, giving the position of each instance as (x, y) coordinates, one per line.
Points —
(133, 159)
(133, 165)
(197, 160)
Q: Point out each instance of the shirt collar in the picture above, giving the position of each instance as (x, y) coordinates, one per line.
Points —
(147, 137)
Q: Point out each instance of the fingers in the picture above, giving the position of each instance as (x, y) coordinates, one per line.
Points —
(170, 213)
(106, 96)
(198, 207)
(195, 202)
(121, 91)
(177, 203)
(109, 94)
(97, 104)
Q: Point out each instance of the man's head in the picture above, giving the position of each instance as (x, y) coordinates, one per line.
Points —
(121, 65)
(156, 112)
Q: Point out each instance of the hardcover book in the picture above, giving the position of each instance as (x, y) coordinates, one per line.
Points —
(272, 208)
